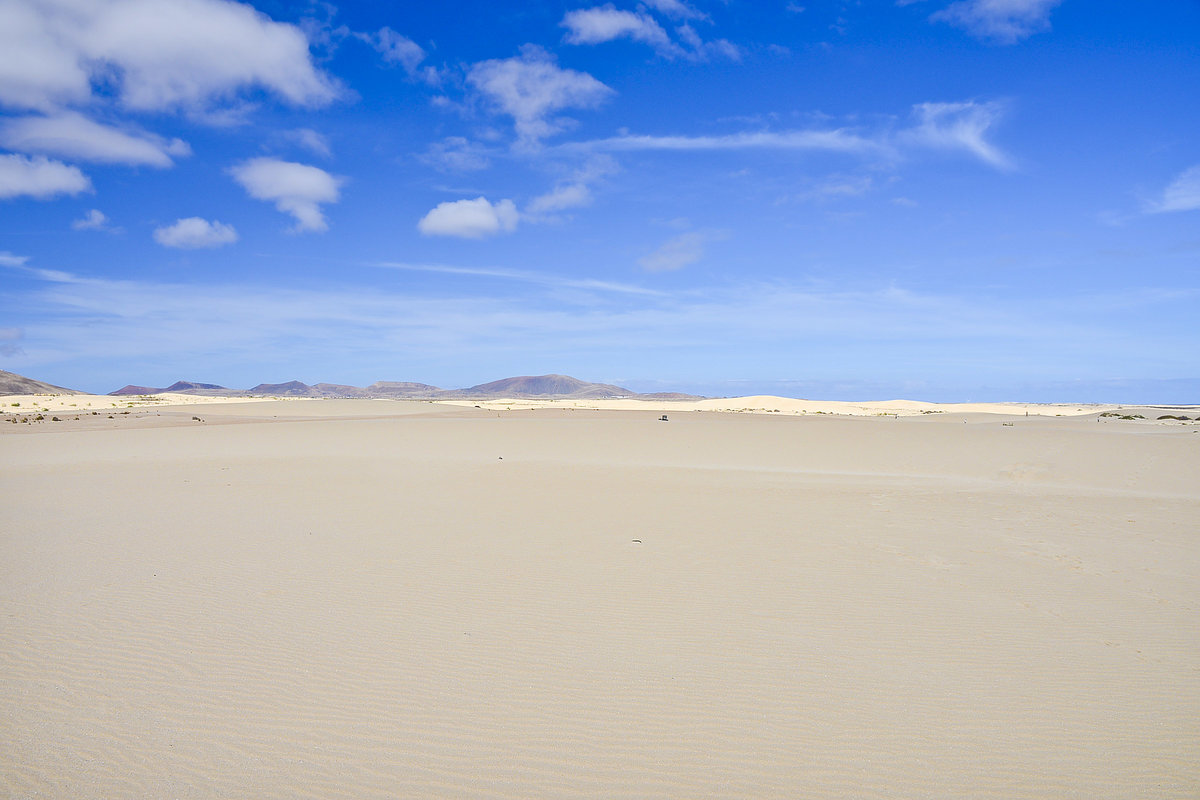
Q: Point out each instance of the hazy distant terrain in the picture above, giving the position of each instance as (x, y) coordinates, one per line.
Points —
(562, 386)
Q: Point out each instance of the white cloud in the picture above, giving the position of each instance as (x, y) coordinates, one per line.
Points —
(152, 54)
(835, 187)
(73, 135)
(39, 177)
(1003, 21)
(93, 220)
(676, 253)
(310, 140)
(456, 154)
(192, 233)
(676, 8)
(958, 126)
(296, 189)
(702, 50)
(576, 191)
(7, 259)
(560, 198)
(470, 219)
(837, 140)
(531, 87)
(395, 48)
(1183, 194)
(605, 23)
(525, 276)
(954, 126)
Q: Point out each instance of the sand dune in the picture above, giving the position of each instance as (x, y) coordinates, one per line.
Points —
(368, 599)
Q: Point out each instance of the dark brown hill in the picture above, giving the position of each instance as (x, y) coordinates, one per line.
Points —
(12, 383)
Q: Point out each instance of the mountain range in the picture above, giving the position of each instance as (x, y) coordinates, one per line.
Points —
(525, 386)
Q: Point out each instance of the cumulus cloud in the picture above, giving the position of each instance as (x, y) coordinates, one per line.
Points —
(1183, 193)
(676, 253)
(151, 54)
(958, 126)
(605, 23)
(93, 220)
(1002, 21)
(39, 177)
(73, 135)
(470, 219)
(192, 233)
(296, 189)
(531, 87)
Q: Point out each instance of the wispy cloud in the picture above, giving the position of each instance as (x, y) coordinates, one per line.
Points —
(606, 23)
(962, 126)
(574, 192)
(1182, 194)
(524, 276)
(678, 251)
(836, 140)
(1001, 21)
(958, 126)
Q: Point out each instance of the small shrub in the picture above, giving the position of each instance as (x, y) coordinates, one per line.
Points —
(55, 419)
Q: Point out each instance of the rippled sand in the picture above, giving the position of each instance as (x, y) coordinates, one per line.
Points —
(377, 599)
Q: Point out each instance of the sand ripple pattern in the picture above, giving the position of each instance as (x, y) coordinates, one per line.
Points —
(447, 608)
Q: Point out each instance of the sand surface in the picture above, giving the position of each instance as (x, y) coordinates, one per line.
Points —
(378, 599)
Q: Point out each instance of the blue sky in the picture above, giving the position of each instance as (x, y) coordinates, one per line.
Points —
(969, 200)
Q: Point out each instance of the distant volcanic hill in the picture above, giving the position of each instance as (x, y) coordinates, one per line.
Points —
(12, 383)
(181, 387)
(525, 386)
(546, 386)
(289, 389)
(402, 389)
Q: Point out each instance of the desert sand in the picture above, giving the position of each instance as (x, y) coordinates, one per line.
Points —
(379, 599)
